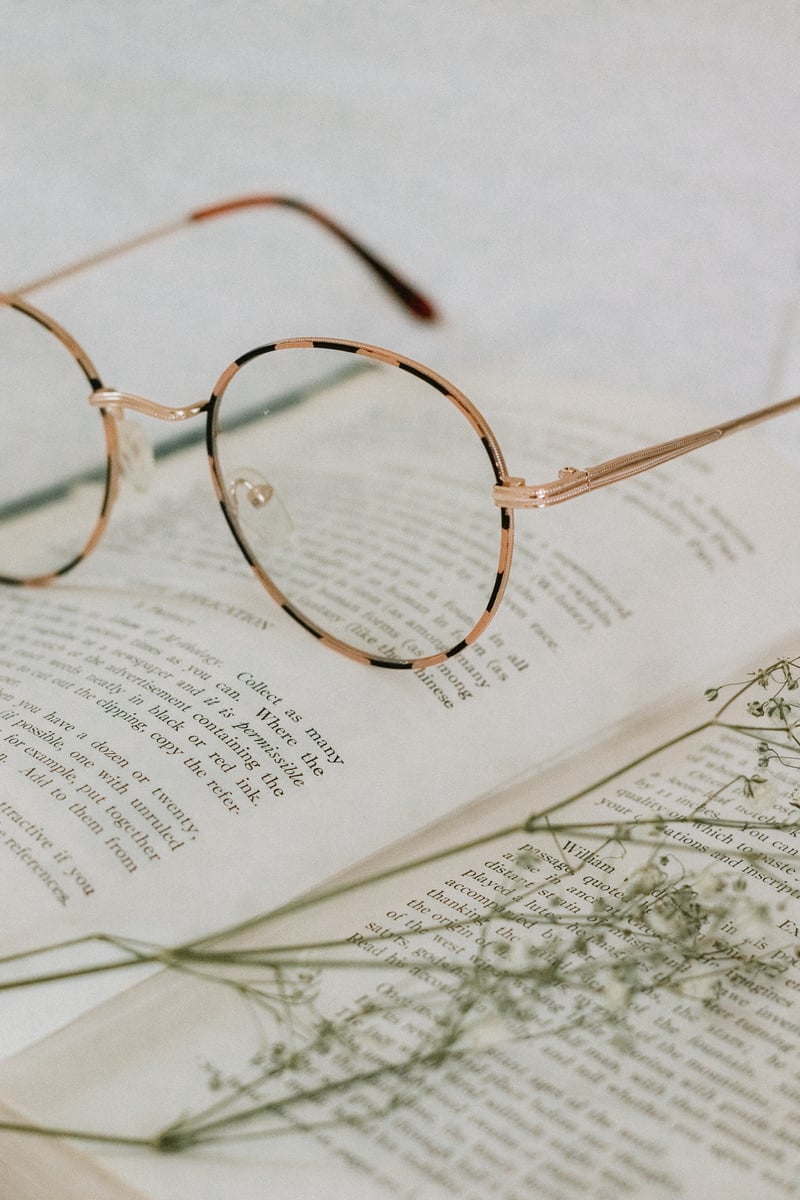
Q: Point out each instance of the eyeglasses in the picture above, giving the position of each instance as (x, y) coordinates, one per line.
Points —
(367, 493)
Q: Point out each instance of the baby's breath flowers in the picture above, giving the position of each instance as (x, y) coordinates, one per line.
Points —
(598, 909)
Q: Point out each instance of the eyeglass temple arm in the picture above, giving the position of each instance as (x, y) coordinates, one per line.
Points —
(408, 295)
(572, 482)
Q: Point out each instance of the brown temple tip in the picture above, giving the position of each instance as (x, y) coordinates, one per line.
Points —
(410, 297)
(417, 304)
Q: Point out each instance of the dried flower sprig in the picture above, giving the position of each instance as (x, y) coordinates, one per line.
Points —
(679, 920)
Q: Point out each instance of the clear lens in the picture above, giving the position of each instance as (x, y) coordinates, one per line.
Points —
(54, 473)
(364, 495)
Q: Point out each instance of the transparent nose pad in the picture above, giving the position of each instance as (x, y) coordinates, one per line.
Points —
(135, 454)
(259, 510)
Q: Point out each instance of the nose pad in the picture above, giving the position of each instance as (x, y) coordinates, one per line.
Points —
(135, 454)
(259, 510)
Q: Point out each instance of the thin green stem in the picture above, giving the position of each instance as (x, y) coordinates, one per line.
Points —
(82, 1135)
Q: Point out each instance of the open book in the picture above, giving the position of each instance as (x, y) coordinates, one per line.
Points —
(180, 764)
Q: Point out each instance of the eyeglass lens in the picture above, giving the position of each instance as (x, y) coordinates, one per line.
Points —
(363, 494)
(53, 481)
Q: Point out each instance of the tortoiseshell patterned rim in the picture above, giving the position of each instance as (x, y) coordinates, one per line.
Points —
(112, 405)
(509, 492)
(112, 471)
(460, 402)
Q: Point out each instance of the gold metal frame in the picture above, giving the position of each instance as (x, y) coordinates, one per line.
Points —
(573, 481)
(465, 407)
(113, 471)
(509, 492)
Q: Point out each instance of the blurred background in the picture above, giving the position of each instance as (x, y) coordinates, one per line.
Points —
(605, 190)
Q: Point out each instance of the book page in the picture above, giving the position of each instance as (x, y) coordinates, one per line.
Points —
(178, 755)
(584, 1004)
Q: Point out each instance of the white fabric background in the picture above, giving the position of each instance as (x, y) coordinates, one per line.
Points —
(604, 189)
(607, 190)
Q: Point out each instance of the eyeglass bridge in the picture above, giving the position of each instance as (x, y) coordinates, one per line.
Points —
(120, 402)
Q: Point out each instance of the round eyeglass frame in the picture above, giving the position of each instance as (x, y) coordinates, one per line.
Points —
(451, 394)
(113, 468)
(211, 408)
